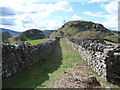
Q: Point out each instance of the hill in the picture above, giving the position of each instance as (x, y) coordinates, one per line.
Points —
(118, 32)
(48, 32)
(13, 33)
(31, 34)
(86, 29)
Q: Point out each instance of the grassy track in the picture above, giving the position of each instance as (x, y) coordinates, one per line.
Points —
(44, 75)
(70, 58)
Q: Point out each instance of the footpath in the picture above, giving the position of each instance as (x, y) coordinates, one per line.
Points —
(64, 68)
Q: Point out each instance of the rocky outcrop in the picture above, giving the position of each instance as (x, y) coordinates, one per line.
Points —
(86, 26)
(104, 58)
(16, 58)
(86, 29)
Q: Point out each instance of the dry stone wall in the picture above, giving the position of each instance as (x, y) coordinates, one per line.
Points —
(16, 58)
(104, 58)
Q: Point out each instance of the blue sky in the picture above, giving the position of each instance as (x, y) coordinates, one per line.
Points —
(21, 15)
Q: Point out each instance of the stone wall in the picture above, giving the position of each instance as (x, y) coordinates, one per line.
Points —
(16, 58)
(104, 58)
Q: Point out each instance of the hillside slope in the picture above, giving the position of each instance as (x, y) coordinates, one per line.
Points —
(13, 33)
(31, 34)
(47, 32)
(118, 32)
(86, 29)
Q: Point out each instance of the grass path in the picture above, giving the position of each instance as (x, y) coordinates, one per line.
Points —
(72, 62)
(57, 71)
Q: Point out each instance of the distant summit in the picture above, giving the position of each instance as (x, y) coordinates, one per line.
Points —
(85, 29)
(12, 32)
(32, 34)
(48, 32)
(118, 32)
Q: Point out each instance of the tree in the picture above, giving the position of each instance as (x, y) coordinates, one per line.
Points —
(22, 38)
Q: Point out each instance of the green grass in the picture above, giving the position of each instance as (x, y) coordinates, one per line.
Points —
(69, 58)
(113, 37)
(33, 41)
(37, 74)
(45, 74)
(36, 41)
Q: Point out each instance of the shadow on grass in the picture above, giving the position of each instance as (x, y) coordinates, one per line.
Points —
(37, 74)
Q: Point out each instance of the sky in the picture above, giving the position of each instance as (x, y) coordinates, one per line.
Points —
(21, 15)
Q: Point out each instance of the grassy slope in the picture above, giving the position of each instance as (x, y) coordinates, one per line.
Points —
(79, 31)
(44, 75)
(33, 41)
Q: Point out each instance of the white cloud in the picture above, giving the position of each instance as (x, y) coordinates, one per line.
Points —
(51, 24)
(23, 6)
(30, 14)
(75, 17)
(88, 13)
(112, 7)
(93, 1)
(63, 6)
(111, 19)
(98, 14)
(44, 25)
